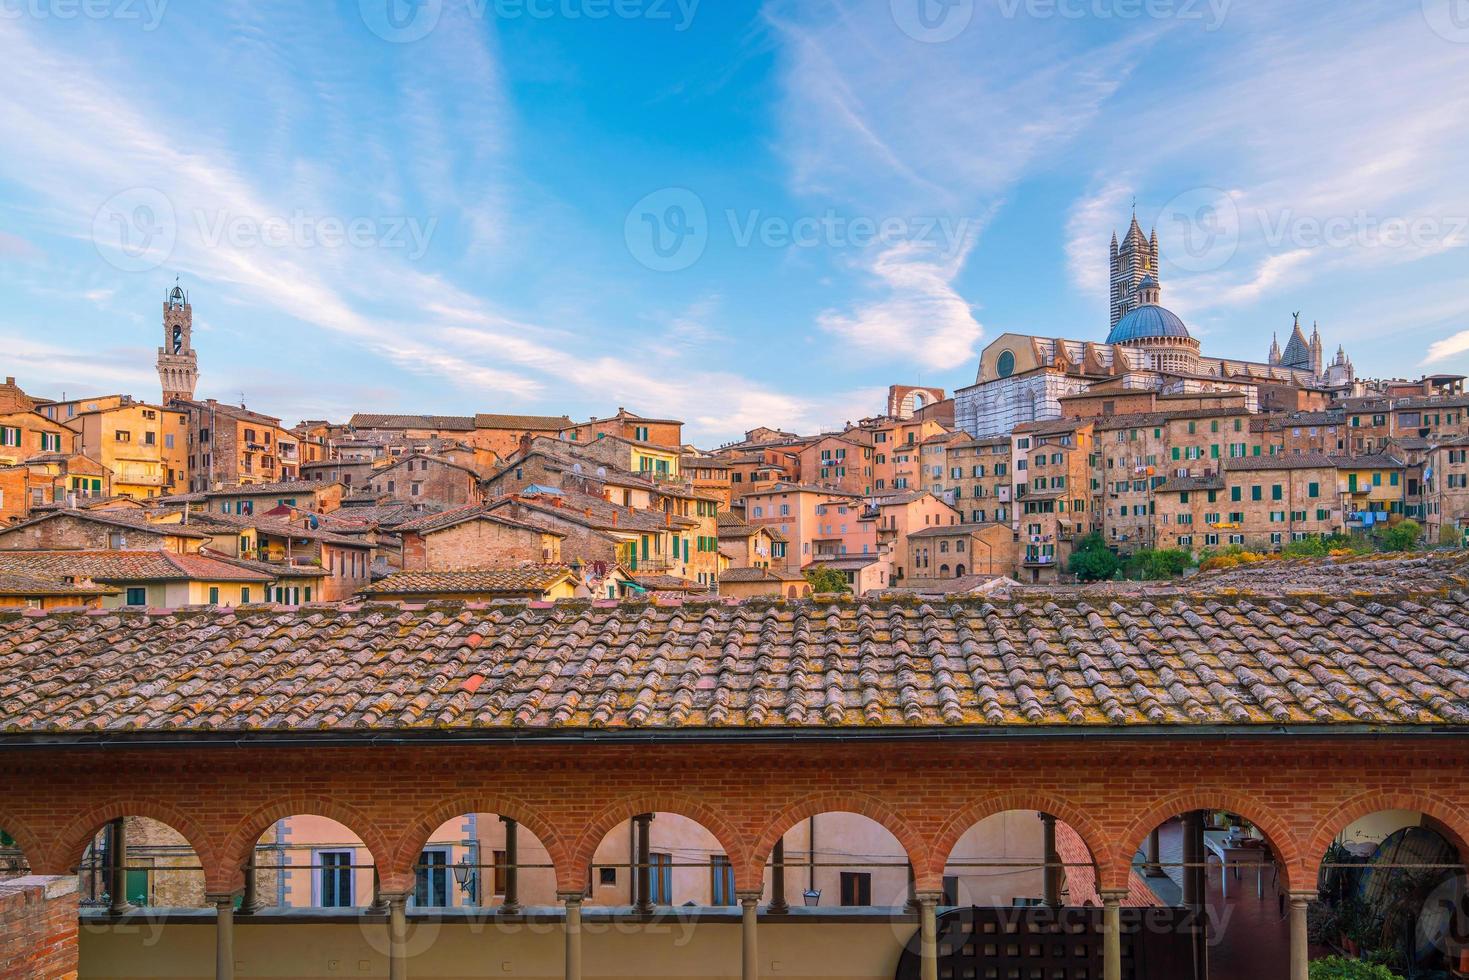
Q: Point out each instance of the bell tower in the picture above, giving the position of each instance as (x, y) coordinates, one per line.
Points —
(178, 367)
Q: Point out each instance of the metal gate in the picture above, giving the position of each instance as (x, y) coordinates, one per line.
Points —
(1042, 943)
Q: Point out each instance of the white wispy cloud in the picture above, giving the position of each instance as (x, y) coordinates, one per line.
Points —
(877, 122)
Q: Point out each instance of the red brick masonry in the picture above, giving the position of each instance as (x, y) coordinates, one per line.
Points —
(38, 928)
(1300, 789)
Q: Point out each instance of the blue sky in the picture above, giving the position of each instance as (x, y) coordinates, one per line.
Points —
(454, 208)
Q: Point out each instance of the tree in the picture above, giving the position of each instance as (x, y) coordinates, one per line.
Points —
(1449, 536)
(824, 579)
(1092, 561)
(1402, 536)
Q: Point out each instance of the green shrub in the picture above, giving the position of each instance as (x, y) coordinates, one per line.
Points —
(1402, 536)
(1092, 561)
(1341, 968)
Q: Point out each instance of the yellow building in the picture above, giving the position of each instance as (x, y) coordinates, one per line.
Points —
(1372, 487)
(145, 447)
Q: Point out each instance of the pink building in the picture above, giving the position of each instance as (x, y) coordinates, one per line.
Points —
(791, 508)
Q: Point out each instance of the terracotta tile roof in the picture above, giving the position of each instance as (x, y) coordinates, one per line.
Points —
(1184, 484)
(35, 586)
(367, 420)
(1087, 660)
(271, 527)
(1282, 461)
(547, 423)
(510, 580)
(948, 530)
(1378, 460)
(428, 523)
(1392, 572)
(760, 575)
(128, 566)
(281, 486)
(595, 512)
(668, 583)
(125, 520)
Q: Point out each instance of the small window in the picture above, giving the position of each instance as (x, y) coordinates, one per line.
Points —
(137, 596)
(856, 888)
(722, 886)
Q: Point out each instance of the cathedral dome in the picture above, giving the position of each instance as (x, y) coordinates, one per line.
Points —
(1146, 322)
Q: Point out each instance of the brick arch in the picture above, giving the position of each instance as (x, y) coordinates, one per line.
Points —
(70, 845)
(972, 813)
(912, 842)
(30, 845)
(572, 875)
(1282, 839)
(411, 842)
(1451, 819)
(228, 875)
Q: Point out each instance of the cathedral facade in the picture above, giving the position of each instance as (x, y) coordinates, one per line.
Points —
(1021, 377)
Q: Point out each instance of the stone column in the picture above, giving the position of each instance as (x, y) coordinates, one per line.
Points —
(1053, 861)
(778, 903)
(928, 942)
(1112, 935)
(397, 937)
(224, 936)
(511, 905)
(117, 873)
(251, 901)
(1299, 943)
(1153, 866)
(749, 948)
(572, 901)
(643, 873)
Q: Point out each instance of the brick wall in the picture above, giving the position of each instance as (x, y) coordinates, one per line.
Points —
(1300, 790)
(38, 928)
(477, 544)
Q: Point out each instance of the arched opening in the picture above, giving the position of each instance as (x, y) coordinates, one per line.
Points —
(660, 859)
(307, 861)
(13, 861)
(1224, 877)
(134, 862)
(1021, 899)
(959, 571)
(1392, 890)
(482, 860)
(838, 859)
(1020, 858)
